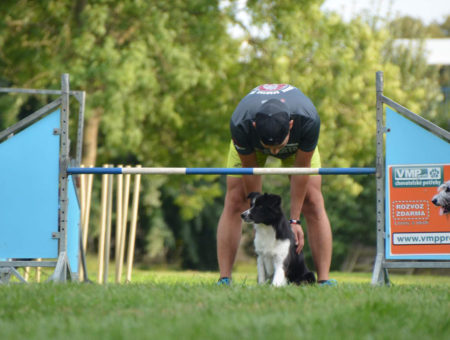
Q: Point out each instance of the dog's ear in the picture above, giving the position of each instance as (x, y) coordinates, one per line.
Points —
(252, 195)
(444, 187)
(275, 200)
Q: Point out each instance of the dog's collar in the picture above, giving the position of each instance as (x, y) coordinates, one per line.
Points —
(294, 221)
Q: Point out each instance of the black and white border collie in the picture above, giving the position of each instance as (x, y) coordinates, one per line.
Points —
(275, 243)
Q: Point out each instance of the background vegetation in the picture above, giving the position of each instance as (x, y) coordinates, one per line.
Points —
(163, 77)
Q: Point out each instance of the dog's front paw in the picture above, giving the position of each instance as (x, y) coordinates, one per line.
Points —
(279, 284)
(279, 281)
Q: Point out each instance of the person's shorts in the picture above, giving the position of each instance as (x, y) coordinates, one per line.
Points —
(268, 161)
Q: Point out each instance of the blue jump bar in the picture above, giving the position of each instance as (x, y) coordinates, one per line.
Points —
(224, 171)
(103, 171)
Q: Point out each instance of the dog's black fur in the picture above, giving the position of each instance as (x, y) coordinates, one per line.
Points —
(266, 209)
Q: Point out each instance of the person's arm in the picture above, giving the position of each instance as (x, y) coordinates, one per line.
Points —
(298, 192)
(252, 183)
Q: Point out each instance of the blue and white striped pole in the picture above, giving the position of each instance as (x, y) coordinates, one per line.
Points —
(224, 171)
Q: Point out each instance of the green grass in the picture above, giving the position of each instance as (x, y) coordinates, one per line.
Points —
(166, 304)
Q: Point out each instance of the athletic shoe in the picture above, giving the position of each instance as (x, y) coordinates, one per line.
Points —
(330, 282)
(224, 281)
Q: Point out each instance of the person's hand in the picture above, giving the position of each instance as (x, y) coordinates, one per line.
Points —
(299, 237)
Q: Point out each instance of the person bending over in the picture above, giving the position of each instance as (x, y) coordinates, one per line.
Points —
(275, 120)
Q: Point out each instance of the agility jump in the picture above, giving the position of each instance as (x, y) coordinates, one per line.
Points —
(395, 157)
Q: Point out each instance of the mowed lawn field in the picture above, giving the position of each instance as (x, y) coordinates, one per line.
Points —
(163, 304)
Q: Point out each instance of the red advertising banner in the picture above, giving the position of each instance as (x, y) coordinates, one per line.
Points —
(416, 225)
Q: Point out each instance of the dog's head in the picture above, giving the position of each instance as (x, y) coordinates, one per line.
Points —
(264, 208)
(442, 199)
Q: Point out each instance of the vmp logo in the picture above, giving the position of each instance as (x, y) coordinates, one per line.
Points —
(417, 176)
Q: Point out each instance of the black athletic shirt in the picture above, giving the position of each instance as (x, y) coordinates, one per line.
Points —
(305, 131)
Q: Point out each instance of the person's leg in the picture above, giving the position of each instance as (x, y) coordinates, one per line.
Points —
(229, 228)
(230, 225)
(319, 229)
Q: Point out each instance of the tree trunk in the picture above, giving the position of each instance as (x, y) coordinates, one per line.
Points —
(91, 127)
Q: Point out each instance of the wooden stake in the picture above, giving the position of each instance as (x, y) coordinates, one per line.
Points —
(101, 243)
(89, 182)
(126, 195)
(82, 197)
(108, 227)
(132, 237)
(119, 226)
(38, 272)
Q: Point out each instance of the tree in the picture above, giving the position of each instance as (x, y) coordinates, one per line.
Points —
(411, 58)
(412, 28)
(155, 73)
(137, 71)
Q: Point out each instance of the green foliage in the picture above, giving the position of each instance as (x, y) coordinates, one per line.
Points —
(413, 28)
(195, 235)
(413, 70)
(144, 74)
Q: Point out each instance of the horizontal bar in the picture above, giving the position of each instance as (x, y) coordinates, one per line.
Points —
(224, 171)
(28, 264)
(34, 91)
(155, 171)
(347, 171)
(417, 264)
(104, 171)
(220, 171)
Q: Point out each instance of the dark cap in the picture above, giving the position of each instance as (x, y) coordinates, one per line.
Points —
(272, 122)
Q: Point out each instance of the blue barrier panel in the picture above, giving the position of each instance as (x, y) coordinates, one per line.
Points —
(417, 163)
(29, 199)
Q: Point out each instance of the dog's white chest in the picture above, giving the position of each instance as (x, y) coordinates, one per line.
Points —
(267, 244)
(271, 255)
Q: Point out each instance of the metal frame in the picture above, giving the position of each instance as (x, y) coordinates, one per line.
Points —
(80, 96)
(380, 273)
(9, 132)
(62, 268)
